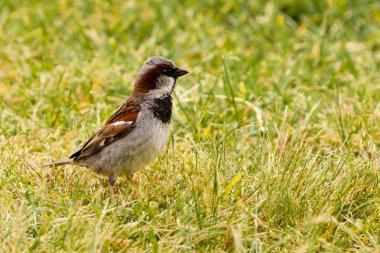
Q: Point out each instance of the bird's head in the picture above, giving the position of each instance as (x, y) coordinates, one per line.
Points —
(157, 77)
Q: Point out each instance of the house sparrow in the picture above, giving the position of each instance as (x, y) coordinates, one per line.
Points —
(137, 131)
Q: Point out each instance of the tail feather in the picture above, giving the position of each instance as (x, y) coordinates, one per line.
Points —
(59, 163)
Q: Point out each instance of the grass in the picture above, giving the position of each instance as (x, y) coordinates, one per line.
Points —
(275, 136)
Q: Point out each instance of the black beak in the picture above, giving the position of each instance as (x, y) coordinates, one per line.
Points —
(180, 72)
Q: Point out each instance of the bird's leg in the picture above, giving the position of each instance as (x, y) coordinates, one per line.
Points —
(112, 181)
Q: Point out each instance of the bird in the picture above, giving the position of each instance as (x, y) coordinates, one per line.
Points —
(138, 130)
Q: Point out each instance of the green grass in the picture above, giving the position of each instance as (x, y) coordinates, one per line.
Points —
(275, 136)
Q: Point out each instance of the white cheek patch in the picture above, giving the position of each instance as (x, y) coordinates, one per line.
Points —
(119, 123)
(165, 85)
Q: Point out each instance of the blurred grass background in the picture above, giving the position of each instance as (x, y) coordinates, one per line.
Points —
(275, 132)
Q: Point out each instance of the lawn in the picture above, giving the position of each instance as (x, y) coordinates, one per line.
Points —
(275, 133)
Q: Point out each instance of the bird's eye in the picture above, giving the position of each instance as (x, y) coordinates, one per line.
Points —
(169, 71)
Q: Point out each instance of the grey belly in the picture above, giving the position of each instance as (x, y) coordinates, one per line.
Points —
(131, 153)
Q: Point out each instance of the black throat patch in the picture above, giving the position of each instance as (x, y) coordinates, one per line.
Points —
(162, 109)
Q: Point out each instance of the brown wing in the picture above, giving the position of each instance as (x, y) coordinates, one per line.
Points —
(128, 111)
(119, 125)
